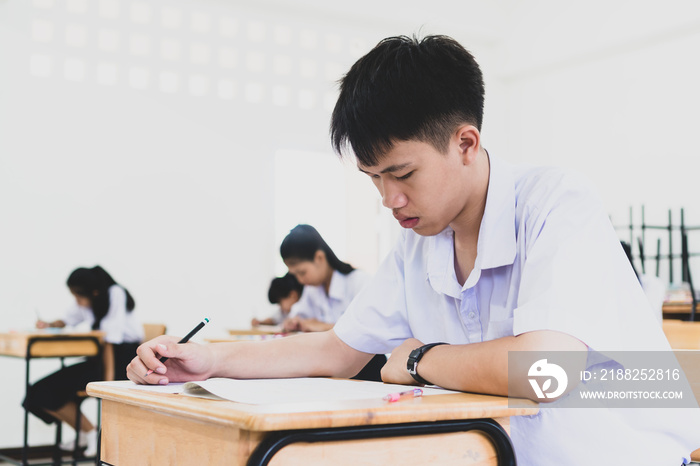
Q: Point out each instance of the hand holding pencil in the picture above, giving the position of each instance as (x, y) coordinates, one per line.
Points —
(189, 362)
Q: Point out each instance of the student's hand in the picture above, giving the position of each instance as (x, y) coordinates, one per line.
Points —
(293, 324)
(188, 361)
(394, 371)
(55, 324)
(42, 324)
(255, 322)
(313, 325)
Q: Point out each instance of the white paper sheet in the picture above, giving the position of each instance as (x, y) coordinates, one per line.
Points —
(275, 391)
(300, 390)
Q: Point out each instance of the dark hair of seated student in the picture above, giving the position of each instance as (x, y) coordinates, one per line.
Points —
(302, 243)
(94, 284)
(282, 287)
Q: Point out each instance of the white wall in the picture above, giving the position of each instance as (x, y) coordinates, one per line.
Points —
(145, 141)
(611, 90)
(141, 136)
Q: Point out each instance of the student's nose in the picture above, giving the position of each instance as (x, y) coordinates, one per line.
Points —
(392, 196)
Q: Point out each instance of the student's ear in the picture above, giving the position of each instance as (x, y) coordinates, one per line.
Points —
(469, 140)
(320, 256)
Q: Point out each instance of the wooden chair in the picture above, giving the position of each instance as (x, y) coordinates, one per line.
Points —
(150, 331)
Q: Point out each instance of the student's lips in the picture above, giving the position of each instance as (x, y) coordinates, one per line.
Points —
(406, 222)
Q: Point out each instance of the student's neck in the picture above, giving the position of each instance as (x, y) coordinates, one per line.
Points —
(327, 281)
(467, 225)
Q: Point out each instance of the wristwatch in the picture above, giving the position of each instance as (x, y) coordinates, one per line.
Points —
(414, 357)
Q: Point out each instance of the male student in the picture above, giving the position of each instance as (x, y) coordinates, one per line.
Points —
(493, 259)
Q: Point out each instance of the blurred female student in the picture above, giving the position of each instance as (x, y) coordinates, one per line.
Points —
(285, 292)
(104, 305)
(329, 286)
(329, 283)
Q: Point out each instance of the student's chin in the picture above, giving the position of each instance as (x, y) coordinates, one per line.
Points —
(425, 230)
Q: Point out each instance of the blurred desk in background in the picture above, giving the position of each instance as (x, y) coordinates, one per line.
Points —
(37, 344)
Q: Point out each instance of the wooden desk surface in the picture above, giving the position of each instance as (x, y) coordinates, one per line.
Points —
(315, 415)
(50, 344)
(259, 330)
(141, 427)
(679, 308)
(682, 335)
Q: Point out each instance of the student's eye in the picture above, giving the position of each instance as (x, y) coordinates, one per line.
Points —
(405, 177)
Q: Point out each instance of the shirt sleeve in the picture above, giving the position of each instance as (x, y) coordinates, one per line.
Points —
(304, 307)
(358, 280)
(114, 323)
(375, 322)
(576, 278)
(75, 315)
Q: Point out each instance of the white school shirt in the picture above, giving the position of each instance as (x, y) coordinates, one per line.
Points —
(316, 304)
(119, 325)
(547, 259)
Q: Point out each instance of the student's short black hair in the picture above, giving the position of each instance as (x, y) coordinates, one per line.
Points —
(281, 287)
(407, 89)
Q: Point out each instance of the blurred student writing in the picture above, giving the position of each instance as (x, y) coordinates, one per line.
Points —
(329, 286)
(329, 283)
(106, 306)
(284, 291)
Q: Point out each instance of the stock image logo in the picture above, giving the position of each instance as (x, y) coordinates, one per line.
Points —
(544, 372)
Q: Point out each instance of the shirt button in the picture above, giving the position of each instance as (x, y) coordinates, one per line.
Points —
(471, 315)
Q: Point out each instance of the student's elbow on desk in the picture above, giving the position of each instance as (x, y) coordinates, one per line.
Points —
(544, 341)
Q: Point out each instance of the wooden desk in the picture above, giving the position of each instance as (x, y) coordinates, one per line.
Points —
(259, 330)
(46, 344)
(263, 332)
(682, 335)
(680, 309)
(141, 427)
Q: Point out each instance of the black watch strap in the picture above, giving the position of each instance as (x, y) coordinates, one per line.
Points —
(414, 357)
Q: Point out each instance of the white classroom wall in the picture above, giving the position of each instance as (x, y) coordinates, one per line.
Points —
(144, 136)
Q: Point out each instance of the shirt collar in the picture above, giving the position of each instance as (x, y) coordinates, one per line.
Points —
(338, 287)
(496, 245)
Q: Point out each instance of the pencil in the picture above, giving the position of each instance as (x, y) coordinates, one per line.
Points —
(184, 339)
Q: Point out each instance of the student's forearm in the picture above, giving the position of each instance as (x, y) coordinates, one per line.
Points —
(306, 355)
(483, 367)
(314, 325)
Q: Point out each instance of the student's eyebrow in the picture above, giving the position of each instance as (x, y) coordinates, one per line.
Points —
(390, 168)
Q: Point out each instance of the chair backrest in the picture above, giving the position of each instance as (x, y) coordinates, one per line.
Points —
(150, 331)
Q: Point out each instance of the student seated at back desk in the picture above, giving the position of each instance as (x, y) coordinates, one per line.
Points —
(284, 292)
(106, 306)
(329, 286)
(495, 259)
(329, 283)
